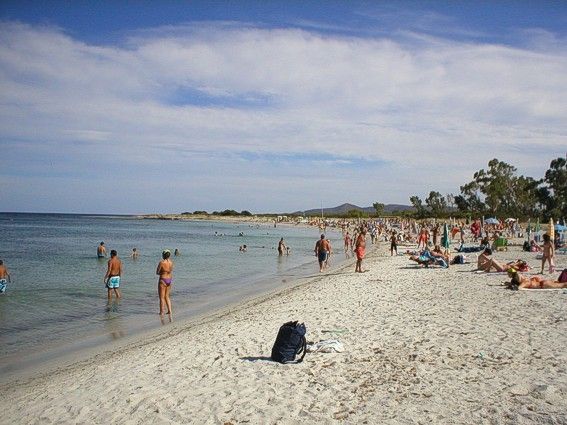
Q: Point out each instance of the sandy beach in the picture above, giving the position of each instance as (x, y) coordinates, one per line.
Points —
(438, 346)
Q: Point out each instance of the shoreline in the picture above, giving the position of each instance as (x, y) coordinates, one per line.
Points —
(44, 362)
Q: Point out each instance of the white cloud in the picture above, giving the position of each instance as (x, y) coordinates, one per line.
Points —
(432, 110)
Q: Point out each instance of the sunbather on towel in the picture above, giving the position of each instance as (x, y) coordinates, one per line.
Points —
(534, 282)
(485, 263)
(427, 258)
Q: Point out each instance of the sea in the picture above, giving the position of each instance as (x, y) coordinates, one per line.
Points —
(57, 303)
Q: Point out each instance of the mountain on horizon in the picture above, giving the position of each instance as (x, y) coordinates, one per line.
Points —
(346, 207)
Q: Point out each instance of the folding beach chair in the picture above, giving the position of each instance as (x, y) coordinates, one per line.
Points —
(501, 244)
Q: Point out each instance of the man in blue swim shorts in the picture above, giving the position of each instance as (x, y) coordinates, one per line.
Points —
(112, 276)
(322, 251)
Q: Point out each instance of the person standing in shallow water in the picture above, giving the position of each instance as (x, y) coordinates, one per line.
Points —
(113, 274)
(4, 277)
(322, 251)
(165, 272)
(101, 251)
(281, 247)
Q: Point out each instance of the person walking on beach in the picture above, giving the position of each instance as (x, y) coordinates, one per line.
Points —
(393, 243)
(434, 234)
(101, 251)
(548, 253)
(348, 242)
(4, 277)
(322, 251)
(281, 247)
(422, 239)
(360, 250)
(165, 272)
(112, 276)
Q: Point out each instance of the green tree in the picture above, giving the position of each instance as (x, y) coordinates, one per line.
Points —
(226, 213)
(450, 200)
(497, 186)
(437, 204)
(379, 208)
(420, 211)
(470, 199)
(527, 198)
(355, 214)
(556, 178)
(499, 191)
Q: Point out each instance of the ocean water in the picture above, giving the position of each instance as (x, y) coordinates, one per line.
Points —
(57, 298)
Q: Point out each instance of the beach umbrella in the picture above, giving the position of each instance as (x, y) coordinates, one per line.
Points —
(529, 229)
(491, 221)
(446, 242)
(560, 227)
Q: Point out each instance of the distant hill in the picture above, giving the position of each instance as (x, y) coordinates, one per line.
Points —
(344, 208)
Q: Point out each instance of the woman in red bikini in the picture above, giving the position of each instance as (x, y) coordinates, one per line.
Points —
(165, 273)
(534, 282)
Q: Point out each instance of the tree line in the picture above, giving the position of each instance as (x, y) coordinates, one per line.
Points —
(499, 191)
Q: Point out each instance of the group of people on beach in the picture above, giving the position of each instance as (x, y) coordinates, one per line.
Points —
(488, 238)
(114, 273)
(356, 245)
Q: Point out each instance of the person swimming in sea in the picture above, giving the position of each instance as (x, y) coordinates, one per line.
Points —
(165, 272)
(4, 277)
(101, 251)
(281, 247)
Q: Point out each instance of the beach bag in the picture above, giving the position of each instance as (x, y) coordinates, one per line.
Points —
(290, 343)
(459, 259)
(563, 276)
(522, 266)
(526, 246)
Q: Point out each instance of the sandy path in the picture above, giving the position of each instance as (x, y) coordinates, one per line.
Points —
(421, 346)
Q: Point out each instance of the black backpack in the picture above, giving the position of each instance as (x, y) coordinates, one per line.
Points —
(290, 342)
(459, 259)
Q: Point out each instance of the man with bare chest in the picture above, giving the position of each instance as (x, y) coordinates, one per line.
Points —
(322, 251)
(112, 276)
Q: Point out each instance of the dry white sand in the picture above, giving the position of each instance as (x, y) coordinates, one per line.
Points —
(422, 346)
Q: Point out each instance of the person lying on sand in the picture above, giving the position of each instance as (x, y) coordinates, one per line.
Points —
(427, 258)
(534, 282)
(486, 264)
(483, 245)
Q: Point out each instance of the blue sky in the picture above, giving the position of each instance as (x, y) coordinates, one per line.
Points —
(135, 107)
